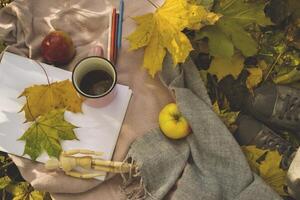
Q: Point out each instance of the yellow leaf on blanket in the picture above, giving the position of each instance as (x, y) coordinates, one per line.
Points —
(254, 78)
(266, 164)
(160, 32)
(41, 99)
(222, 67)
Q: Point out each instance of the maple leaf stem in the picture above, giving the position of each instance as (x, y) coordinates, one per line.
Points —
(29, 110)
(153, 4)
(44, 71)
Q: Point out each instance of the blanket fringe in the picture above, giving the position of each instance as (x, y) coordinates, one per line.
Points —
(133, 186)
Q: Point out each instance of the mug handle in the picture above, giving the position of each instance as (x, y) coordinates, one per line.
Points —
(96, 50)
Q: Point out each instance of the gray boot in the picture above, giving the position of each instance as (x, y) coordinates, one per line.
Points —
(253, 132)
(277, 106)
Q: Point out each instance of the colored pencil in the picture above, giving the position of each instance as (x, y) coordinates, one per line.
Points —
(116, 39)
(120, 25)
(109, 36)
(113, 36)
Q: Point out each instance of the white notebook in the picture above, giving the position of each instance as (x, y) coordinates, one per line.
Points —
(98, 127)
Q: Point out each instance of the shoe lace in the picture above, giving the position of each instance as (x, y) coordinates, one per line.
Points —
(291, 108)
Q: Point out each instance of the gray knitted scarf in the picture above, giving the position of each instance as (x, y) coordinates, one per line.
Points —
(207, 165)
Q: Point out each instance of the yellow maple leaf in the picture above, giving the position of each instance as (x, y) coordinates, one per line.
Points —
(222, 67)
(24, 191)
(266, 164)
(254, 78)
(41, 99)
(227, 116)
(160, 32)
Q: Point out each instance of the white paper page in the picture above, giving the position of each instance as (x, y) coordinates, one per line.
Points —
(99, 127)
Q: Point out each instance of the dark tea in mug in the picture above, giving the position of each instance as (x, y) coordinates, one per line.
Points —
(96, 82)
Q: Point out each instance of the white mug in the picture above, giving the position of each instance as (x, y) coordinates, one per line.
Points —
(87, 65)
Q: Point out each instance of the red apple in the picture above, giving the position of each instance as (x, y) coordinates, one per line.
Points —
(57, 48)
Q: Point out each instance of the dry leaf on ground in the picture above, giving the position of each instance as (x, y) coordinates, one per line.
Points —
(266, 164)
(254, 78)
(228, 117)
(4, 182)
(222, 67)
(23, 191)
(230, 30)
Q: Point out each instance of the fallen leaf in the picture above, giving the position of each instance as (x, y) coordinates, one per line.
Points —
(45, 134)
(40, 99)
(254, 78)
(206, 3)
(230, 31)
(267, 164)
(228, 117)
(287, 78)
(23, 191)
(263, 66)
(272, 173)
(222, 67)
(241, 39)
(4, 182)
(219, 44)
(216, 107)
(160, 32)
(244, 12)
(2, 159)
